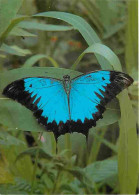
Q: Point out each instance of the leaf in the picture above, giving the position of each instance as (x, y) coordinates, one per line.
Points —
(32, 152)
(23, 168)
(81, 175)
(103, 171)
(16, 31)
(131, 53)
(20, 186)
(8, 12)
(33, 59)
(127, 147)
(44, 27)
(15, 50)
(17, 117)
(82, 26)
(111, 115)
(8, 140)
(14, 115)
(5, 174)
(104, 141)
(103, 51)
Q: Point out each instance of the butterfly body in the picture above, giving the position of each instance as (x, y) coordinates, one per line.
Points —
(68, 105)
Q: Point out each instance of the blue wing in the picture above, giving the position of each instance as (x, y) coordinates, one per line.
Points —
(59, 113)
(90, 93)
(45, 97)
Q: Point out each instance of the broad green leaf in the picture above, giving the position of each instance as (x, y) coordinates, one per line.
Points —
(44, 27)
(103, 171)
(33, 59)
(127, 147)
(82, 26)
(8, 140)
(8, 12)
(14, 115)
(14, 50)
(103, 51)
(16, 31)
(22, 168)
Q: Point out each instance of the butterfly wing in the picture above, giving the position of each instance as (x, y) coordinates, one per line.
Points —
(47, 99)
(90, 93)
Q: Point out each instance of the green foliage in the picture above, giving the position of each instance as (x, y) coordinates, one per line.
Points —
(76, 168)
(33, 59)
(44, 27)
(8, 12)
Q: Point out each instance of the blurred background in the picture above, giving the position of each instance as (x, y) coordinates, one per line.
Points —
(78, 168)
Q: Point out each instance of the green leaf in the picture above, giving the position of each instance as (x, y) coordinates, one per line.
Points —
(16, 31)
(33, 59)
(8, 140)
(82, 176)
(104, 141)
(5, 174)
(127, 148)
(103, 51)
(23, 167)
(82, 26)
(111, 115)
(103, 171)
(32, 152)
(44, 27)
(8, 12)
(14, 50)
(131, 54)
(14, 115)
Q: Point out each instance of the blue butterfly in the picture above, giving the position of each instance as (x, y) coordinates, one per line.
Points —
(68, 105)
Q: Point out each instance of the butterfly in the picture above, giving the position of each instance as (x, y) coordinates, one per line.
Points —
(68, 105)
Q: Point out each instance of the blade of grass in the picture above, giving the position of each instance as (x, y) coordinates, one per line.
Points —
(44, 27)
(127, 147)
(16, 31)
(82, 26)
(8, 11)
(103, 51)
(131, 54)
(12, 24)
(33, 59)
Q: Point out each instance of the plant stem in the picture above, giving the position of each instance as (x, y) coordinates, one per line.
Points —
(56, 182)
(35, 165)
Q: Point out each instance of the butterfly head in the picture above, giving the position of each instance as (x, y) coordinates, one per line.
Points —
(66, 78)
